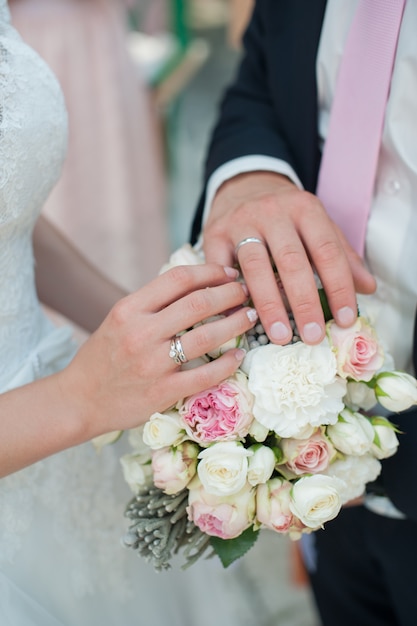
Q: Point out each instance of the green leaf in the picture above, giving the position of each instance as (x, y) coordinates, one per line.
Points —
(229, 550)
(325, 306)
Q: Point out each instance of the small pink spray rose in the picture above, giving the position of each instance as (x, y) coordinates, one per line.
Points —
(174, 467)
(221, 516)
(308, 456)
(273, 506)
(358, 353)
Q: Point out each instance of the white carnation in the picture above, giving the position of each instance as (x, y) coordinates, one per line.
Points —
(295, 386)
(186, 255)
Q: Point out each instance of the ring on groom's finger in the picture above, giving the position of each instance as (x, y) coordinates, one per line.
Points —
(249, 240)
(176, 351)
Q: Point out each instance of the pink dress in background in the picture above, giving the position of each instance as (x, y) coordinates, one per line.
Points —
(110, 200)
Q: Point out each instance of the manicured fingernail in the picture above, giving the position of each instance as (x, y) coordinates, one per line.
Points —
(245, 288)
(279, 332)
(252, 315)
(240, 354)
(345, 316)
(231, 272)
(312, 332)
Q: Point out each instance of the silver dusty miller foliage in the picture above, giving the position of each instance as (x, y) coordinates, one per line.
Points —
(159, 528)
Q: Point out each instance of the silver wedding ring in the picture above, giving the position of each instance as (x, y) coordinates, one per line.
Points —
(249, 240)
(176, 351)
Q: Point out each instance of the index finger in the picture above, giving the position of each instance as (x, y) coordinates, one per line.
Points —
(180, 281)
(255, 263)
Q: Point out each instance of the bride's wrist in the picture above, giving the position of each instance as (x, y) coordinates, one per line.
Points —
(76, 409)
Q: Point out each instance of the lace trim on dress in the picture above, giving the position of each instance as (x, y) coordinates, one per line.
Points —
(71, 497)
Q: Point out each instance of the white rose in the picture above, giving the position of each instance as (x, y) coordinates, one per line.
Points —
(396, 391)
(294, 386)
(163, 429)
(223, 468)
(316, 499)
(386, 441)
(354, 472)
(105, 440)
(260, 465)
(186, 255)
(352, 434)
(137, 470)
(135, 438)
(360, 396)
(258, 431)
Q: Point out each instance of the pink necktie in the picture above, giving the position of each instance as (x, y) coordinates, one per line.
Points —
(350, 155)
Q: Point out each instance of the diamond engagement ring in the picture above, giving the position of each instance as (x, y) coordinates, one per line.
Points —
(176, 351)
(249, 240)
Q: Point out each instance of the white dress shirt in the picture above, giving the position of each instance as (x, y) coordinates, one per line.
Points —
(391, 241)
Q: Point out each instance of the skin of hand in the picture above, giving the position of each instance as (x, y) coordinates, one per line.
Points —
(298, 234)
(123, 373)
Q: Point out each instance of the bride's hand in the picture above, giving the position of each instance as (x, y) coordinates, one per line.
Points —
(124, 372)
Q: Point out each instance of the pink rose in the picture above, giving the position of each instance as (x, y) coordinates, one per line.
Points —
(359, 355)
(221, 413)
(173, 468)
(221, 516)
(308, 456)
(273, 506)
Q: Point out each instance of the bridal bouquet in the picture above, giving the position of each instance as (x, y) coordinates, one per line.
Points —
(282, 444)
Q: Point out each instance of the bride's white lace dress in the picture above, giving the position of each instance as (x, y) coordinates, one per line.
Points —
(61, 562)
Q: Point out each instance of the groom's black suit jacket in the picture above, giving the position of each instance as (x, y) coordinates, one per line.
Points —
(271, 109)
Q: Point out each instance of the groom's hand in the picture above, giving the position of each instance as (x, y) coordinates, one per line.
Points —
(298, 234)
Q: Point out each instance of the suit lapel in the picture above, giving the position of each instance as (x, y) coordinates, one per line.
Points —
(293, 29)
